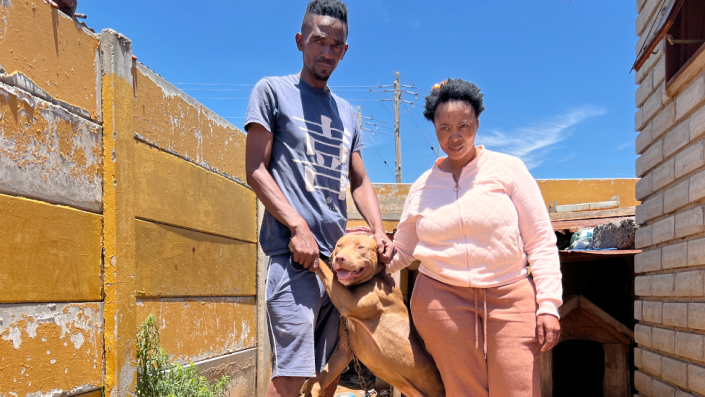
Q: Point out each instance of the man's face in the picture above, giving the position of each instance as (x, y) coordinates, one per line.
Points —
(322, 42)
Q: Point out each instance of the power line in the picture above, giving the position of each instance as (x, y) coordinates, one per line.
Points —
(523, 154)
(215, 84)
(392, 129)
(562, 126)
(378, 152)
(417, 125)
(252, 85)
(215, 89)
(224, 99)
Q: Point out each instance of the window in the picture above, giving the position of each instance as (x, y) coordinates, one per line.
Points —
(685, 38)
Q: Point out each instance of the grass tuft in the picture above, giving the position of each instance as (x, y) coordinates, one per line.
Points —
(157, 376)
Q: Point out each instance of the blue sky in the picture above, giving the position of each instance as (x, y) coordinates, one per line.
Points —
(555, 73)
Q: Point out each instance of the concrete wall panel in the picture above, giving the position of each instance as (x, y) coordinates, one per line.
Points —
(48, 253)
(48, 153)
(577, 191)
(223, 146)
(172, 191)
(174, 262)
(167, 118)
(50, 349)
(58, 54)
(202, 328)
(392, 196)
(240, 367)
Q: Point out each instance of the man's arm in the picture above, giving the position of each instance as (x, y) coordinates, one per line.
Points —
(365, 198)
(258, 154)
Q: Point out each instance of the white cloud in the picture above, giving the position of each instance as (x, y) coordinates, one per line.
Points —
(533, 142)
(625, 145)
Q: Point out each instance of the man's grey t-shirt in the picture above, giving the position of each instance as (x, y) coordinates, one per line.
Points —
(315, 133)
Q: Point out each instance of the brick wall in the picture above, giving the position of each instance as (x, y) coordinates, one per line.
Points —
(670, 272)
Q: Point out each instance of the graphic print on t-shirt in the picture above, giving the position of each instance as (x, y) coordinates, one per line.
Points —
(326, 156)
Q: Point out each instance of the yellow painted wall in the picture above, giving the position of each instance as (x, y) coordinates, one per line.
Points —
(120, 196)
(197, 329)
(48, 253)
(171, 120)
(172, 261)
(577, 191)
(392, 196)
(50, 346)
(55, 52)
(48, 153)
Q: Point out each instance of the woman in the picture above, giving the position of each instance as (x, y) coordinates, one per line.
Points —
(475, 220)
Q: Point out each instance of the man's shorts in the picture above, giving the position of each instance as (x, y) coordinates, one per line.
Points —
(303, 323)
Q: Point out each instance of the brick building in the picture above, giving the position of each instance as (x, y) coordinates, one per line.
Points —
(669, 274)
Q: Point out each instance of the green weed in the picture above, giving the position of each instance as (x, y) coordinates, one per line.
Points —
(157, 376)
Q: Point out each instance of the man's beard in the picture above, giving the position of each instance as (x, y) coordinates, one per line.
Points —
(319, 76)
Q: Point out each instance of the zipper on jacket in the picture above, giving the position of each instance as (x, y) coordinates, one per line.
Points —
(456, 189)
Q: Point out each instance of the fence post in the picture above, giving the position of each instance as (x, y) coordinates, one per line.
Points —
(118, 214)
(264, 350)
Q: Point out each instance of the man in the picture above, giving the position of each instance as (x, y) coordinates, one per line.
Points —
(303, 145)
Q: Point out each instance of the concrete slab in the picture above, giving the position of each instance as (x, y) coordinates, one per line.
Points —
(50, 349)
(48, 153)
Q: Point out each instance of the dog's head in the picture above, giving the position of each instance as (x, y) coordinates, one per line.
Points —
(354, 259)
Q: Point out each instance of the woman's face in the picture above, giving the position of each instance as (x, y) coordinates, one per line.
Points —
(456, 127)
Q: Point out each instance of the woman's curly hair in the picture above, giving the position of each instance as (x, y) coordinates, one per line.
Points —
(453, 89)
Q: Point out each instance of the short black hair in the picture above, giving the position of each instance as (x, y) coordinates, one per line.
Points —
(453, 89)
(330, 8)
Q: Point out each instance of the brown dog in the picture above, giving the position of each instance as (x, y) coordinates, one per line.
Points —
(380, 332)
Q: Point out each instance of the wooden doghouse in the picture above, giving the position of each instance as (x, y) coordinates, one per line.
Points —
(583, 320)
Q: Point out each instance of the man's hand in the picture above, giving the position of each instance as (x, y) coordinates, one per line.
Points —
(385, 247)
(549, 330)
(304, 247)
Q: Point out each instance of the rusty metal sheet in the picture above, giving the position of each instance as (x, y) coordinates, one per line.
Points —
(48, 153)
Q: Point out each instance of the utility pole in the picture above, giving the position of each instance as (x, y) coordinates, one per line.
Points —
(397, 135)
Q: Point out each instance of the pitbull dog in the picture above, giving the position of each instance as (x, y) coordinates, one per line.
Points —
(381, 335)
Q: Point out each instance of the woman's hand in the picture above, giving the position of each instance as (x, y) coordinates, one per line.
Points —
(549, 329)
(385, 247)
